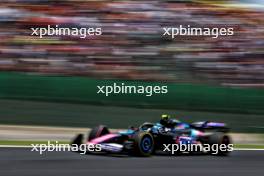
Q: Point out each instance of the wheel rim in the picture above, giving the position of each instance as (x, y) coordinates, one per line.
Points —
(146, 144)
(225, 141)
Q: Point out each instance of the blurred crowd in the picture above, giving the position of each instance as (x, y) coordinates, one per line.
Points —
(132, 45)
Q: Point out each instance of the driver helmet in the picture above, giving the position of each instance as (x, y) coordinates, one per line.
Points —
(165, 117)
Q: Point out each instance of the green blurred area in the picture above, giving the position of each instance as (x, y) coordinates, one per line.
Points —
(73, 101)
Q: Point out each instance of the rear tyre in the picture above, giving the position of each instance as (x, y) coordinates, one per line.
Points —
(220, 139)
(143, 144)
(98, 132)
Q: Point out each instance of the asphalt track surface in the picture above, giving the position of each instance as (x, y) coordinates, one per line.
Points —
(23, 162)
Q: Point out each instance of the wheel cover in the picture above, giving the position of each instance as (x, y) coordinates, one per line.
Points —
(225, 141)
(146, 144)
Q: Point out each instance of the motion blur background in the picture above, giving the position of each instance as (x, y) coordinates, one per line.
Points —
(52, 81)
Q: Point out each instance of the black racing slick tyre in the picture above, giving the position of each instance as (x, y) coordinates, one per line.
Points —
(143, 144)
(78, 140)
(220, 139)
(97, 132)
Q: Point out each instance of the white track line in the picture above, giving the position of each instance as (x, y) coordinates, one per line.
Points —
(15, 146)
(248, 149)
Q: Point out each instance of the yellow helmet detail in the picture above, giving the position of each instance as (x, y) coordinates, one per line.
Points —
(165, 116)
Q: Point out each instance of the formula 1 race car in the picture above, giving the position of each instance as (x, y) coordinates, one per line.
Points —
(149, 138)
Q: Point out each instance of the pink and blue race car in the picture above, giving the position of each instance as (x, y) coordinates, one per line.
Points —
(150, 138)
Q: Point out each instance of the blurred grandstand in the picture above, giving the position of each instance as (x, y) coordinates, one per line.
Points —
(132, 46)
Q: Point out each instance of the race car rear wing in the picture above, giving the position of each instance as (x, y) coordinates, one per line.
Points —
(206, 125)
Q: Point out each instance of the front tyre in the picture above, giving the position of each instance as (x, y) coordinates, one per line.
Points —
(143, 144)
(78, 140)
